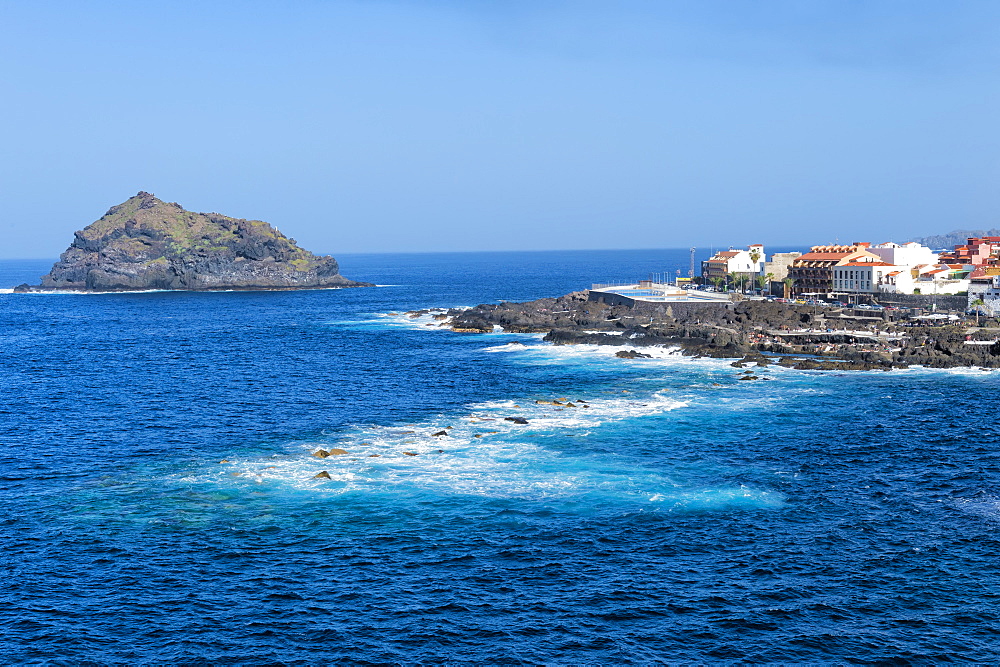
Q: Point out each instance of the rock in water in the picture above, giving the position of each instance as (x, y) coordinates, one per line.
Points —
(145, 244)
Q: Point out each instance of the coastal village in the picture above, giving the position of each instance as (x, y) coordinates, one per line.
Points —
(836, 307)
(859, 274)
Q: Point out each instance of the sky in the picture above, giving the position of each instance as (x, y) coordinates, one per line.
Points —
(434, 125)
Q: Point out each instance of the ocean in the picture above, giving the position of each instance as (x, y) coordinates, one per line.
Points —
(159, 503)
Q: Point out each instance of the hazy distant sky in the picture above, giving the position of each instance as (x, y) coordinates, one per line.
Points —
(434, 125)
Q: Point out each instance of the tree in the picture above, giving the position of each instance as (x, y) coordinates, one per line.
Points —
(755, 257)
(764, 280)
(739, 280)
(789, 284)
(976, 306)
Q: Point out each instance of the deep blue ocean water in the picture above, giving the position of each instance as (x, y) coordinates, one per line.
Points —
(683, 516)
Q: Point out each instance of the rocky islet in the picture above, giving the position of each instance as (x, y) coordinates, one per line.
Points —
(148, 244)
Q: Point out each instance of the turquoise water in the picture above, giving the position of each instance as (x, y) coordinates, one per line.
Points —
(682, 516)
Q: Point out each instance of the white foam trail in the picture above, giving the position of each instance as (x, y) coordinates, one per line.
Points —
(549, 354)
(506, 347)
(493, 468)
(484, 455)
(544, 416)
(424, 321)
(964, 371)
(988, 508)
(720, 498)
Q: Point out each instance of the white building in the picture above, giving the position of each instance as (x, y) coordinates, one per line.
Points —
(991, 298)
(924, 279)
(988, 289)
(862, 276)
(746, 262)
(906, 254)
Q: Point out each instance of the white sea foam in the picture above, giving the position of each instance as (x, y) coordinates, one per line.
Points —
(987, 507)
(506, 347)
(965, 371)
(547, 354)
(545, 416)
(423, 321)
(485, 455)
(496, 467)
(720, 498)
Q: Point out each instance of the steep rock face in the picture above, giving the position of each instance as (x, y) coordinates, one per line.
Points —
(145, 243)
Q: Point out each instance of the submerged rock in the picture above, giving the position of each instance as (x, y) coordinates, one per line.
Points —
(516, 420)
(632, 354)
(148, 244)
(322, 475)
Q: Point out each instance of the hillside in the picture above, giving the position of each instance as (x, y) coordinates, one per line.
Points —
(957, 237)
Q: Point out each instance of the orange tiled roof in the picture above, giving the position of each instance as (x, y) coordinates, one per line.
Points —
(823, 256)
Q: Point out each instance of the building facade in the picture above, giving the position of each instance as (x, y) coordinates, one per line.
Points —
(977, 251)
(812, 273)
(987, 289)
(905, 254)
(747, 262)
(926, 279)
(779, 264)
(866, 276)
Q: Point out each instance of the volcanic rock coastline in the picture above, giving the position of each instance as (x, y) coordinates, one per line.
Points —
(147, 244)
(759, 332)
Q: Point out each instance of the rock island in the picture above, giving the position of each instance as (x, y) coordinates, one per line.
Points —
(148, 244)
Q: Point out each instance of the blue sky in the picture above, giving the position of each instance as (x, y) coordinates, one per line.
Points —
(420, 126)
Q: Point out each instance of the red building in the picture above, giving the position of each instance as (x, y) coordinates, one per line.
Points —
(977, 251)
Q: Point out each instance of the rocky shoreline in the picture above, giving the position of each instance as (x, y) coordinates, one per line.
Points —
(752, 332)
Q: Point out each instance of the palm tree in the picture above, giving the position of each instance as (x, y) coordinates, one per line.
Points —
(977, 304)
(754, 257)
(789, 283)
(764, 280)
